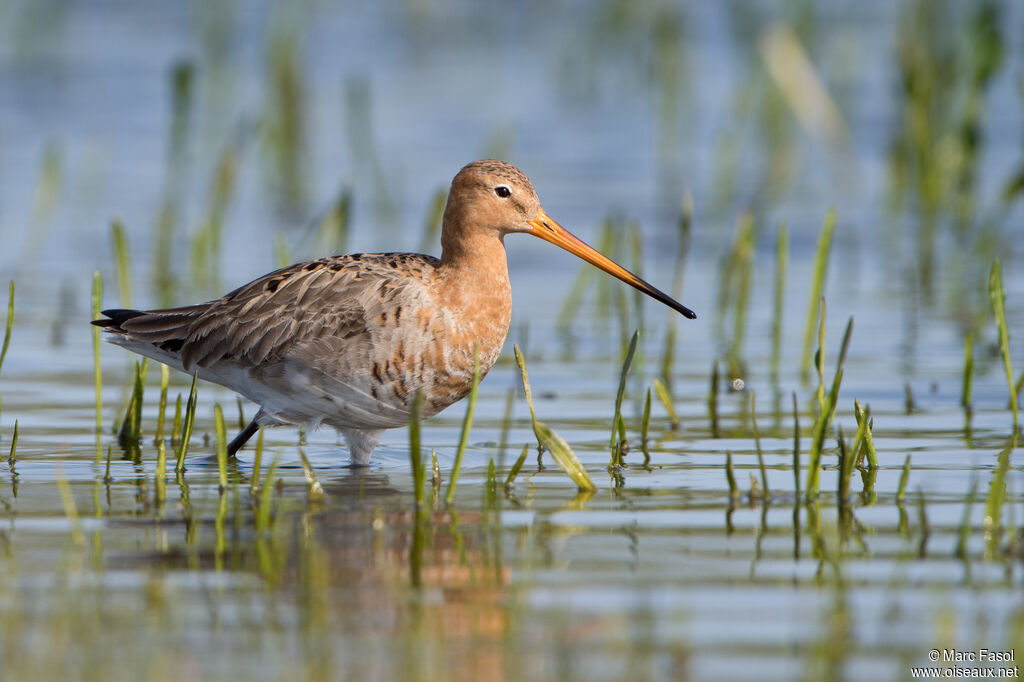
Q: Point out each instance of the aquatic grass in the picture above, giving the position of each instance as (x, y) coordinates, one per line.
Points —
(282, 252)
(862, 416)
(757, 445)
(467, 424)
(9, 324)
(796, 448)
(96, 302)
(435, 475)
(182, 87)
(617, 444)
(818, 438)
(964, 531)
(122, 261)
(824, 420)
(966, 398)
(865, 436)
(820, 270)
(161, 417)
(997, 297)
(204, 265)
(993, 525)
(506, 424)
(160, 478)
(678, 276)
(901, 489)
(315, 491)
(187, 420)
(12, 456)
(176, 424)
(46, 195)
(781, 266)
(222, 447)
(419, 474)
(645, 426)
(130, 434)
(844, 469)
(662, 391)
(70, 510)
(516, 467)
(285, 117)
(713, 399)
(819, 358)
(730, 477)
(551, 441)
(742, 269)
(909, 404)
(266, 498)
(257, 461)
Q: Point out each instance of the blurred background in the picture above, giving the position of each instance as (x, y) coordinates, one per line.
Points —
(222, 134)
(180, 149)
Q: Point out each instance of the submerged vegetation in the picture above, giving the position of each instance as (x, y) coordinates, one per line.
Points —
(756, 453)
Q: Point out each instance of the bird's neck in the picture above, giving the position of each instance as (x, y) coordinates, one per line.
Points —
(474, 268)
(473, 280)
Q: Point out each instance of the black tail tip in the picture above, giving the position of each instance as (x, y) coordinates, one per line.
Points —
(116, 316)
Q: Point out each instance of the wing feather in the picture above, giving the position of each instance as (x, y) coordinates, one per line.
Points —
(263, 320)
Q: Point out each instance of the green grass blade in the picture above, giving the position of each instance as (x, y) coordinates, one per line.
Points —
(176, 424)
(901, 490)
(9, 325)
(757, 445)
(551, 441)
(266, 497)
(415, 448)
(222, 447)
(615, 444)
(161, 417)
(97, 372)
(964, 533)
(713, 400)
(864, 421)
(796, 447)
(516, 467)
(564, 456)
(819, 357)
(820, 432)
(781, 265)
(661, 390)
(966, 398)
(160, 479)
(995, 500)
(467, 424)
(186, 428)
(122, 259)
(645, 423)
(12, 457)
(315, 490)
(997, 297)
(730, 477)
(817, 287)
(257, 461)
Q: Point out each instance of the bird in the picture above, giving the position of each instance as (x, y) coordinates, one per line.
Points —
(349, 341)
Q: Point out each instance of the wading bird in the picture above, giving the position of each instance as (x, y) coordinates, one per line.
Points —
(348, 341)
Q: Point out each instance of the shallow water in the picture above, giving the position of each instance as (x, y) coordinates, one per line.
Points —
(663, 575)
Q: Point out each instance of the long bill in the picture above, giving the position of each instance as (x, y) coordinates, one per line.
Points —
(548, 230)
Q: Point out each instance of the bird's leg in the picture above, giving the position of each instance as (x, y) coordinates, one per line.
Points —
(240, 440)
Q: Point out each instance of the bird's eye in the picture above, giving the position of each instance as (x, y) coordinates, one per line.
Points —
(503, 191)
